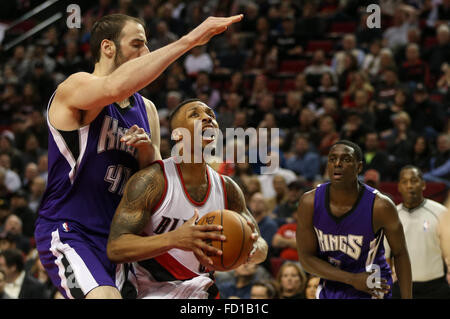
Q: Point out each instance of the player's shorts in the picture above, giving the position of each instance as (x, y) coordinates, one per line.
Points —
(75, 261)
(337, 290)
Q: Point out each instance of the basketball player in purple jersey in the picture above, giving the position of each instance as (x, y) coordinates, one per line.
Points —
(99, 137)
(340, 232)
(154, 224)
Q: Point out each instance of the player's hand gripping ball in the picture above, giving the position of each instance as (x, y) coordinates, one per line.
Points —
(238, 244)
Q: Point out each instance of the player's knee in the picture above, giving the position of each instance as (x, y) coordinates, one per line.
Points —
(104, 292)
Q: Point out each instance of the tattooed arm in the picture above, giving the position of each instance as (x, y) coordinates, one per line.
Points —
(142, 193)
(236, 202)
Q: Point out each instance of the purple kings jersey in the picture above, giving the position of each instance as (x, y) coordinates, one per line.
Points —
(85, 183)
(348, 242)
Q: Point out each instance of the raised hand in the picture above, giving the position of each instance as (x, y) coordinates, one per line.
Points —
(211, 27)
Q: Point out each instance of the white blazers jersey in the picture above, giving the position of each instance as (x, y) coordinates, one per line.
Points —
(175, 208)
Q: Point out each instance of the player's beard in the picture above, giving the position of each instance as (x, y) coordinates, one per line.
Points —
(119, 59)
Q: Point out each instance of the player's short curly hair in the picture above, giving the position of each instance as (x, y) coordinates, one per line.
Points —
(356, 148)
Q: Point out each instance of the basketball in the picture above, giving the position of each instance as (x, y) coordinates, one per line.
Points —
(238, 243)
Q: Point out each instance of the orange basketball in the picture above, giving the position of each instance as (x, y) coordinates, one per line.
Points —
(238, 243)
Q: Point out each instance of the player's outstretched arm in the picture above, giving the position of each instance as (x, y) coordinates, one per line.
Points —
(236, 202)
(142, 193)
(386, 216)
(87, 91)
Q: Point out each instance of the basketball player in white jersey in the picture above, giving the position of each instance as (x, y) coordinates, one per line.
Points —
(420, 218)
(154, 225)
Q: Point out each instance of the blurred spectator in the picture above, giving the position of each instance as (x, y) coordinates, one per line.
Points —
(19, 62)
(338, 63)
(37, 190)
(422, 153)
(19, 207)
(310, 25)
(251, 17)
(71, 62)
(283, 212)
(240, 286)
(328, 134)
(19, 284)
(31, 171)
(198, 60)
(353, 128)
(305, 161)
(372, 59)
(387, 86)
(162, 37)
(127, 7)
(9, 180)
(13, 226)
(266, 224)
(397, 34)
(258, 90)
(225, 116)
(399, 142)
(257, 59)
(311, 287)
(38, 271)
(385, 110)
(287, 42)
(360, 82)
(280, 188)
(372, 178)
(414, 70)
(292, 281)
(3, 294)
(232, 56)
(317, 68)
(440, 163)
(290, 112)
(202, 84)
(43, 166)
(264, 289)
(439, 54)
(7, 241)
(427, 116)
(440, 14)
(42, 80)
(266, 180)
(307, 125)
(284, 241)
(374, 157)
(327, 88)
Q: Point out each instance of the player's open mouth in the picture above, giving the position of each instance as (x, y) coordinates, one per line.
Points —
(211, 133)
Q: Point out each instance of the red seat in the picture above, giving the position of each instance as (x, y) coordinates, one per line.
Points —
(275, 264)
(296, 66)
(343, 27)
(273, 85)
(315, 45)
(430, 42)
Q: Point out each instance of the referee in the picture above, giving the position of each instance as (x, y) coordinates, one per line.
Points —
(420, 219)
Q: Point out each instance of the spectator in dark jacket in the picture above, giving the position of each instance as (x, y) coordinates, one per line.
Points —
(19, 284)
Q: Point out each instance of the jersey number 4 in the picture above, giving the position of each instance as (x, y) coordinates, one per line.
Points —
(117, 176)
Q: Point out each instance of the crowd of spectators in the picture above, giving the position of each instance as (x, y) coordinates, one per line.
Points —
(312, 68)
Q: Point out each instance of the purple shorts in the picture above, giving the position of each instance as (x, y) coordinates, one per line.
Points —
(76, 262)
